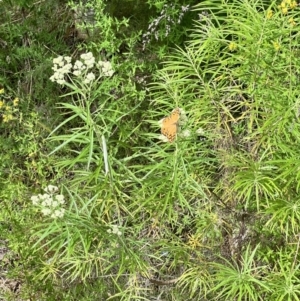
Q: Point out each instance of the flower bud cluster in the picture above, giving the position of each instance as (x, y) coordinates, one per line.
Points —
(115, 230)
(50, 203)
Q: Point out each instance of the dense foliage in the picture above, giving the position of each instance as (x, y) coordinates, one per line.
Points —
(96, 204)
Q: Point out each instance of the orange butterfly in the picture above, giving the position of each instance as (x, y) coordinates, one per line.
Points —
(169, 125)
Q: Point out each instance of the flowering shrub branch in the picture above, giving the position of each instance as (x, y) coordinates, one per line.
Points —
(85, 68)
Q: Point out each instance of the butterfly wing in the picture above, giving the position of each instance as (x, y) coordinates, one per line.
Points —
(170, 131)
(170, 125)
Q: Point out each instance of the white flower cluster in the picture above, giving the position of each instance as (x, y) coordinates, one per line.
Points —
(185, 134)
(163, 138)
(62, 66)
(106, 68)
(200, 132)
(81, 67)
(50, 202)
(114, 230)
(88, 59)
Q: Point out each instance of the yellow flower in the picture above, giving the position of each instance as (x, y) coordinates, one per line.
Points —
(284, 10)
(194, 241)
(282, 5)
(16, 101)
(232, 46)
(293, 4)
(276, 46)
(269, 14)
(1, 104)
(7, 118)
(292, 21)
(1, 91)
(7, 108)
